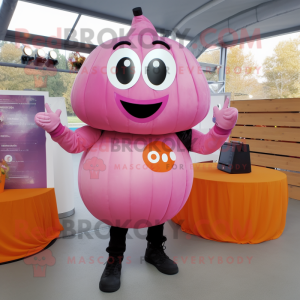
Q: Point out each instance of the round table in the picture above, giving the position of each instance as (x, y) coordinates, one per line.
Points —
(238, 208)
(28, 222)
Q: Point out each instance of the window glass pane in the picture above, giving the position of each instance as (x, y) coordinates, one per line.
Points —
(57, 84)
(241, 79)
(181, 41)
(216, 87)
(11, 53)
(211, 55)
(211, 75)
(42, 20)
(266, 69)
(209, 59)
(96, 31)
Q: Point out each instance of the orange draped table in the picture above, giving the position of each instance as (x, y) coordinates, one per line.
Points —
(238, 208)
(28, 222)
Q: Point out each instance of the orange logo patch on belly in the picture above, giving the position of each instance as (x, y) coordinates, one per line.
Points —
(159, 157)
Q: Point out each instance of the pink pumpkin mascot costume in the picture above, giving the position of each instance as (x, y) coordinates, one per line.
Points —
(140, 96)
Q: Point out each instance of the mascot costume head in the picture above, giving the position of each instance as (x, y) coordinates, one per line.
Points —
(141, 84)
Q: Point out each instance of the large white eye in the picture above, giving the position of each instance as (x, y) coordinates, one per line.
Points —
(123, 68)
(159, 69)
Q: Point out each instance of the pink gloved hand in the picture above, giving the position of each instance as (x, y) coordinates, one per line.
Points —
(49, 120)
(226, 117)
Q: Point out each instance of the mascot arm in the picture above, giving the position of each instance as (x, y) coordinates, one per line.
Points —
(75, 141)
(210, 142)
(224, 119)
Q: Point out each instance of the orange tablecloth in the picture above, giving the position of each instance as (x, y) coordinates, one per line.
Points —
(237, 208)
(28, 222)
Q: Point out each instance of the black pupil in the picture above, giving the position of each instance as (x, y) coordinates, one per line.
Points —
(157, 71)
(125, 70)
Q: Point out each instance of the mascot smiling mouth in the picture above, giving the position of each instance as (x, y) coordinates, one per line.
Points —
(141, 111)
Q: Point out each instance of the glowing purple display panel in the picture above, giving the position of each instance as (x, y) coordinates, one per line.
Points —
(22, 142)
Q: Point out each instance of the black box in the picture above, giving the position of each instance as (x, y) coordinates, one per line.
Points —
(235, 158)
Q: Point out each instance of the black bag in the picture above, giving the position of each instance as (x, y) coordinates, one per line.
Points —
(235, 158)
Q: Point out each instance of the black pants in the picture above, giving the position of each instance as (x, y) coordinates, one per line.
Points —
(117, 243)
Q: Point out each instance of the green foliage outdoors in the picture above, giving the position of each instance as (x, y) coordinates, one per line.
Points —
(59, 85)
(278, 77)
(74, 119)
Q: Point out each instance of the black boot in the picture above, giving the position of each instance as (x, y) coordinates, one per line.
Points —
(110, 279)
(156, 256)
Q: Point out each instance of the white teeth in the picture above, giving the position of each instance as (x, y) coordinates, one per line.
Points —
(157, 157)
(165, 157)
(173, 156)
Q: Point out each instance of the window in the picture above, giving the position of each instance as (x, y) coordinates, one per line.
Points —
(42, 20)
(210, 61)
(268, 70)
(58, 84)
(211, 55)
(97, 31)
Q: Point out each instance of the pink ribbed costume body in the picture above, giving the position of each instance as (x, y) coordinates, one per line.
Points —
(126, 193)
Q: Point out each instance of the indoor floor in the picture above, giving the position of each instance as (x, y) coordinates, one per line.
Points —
(208, 270)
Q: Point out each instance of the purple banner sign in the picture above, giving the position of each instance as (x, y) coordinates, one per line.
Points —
(22, 142)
